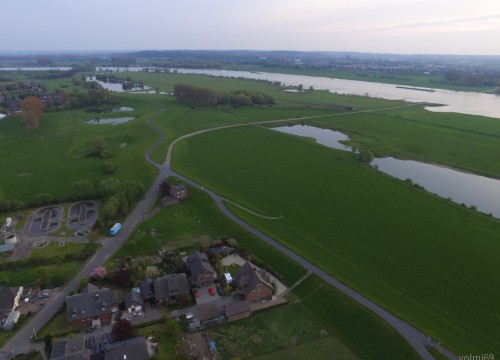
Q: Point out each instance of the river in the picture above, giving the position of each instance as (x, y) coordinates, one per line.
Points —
(472, 103)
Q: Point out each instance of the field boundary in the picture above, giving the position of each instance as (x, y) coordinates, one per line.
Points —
(281, 217)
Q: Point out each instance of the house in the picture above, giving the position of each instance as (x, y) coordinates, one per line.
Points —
(91, 307)
(202, 272)
(134, 302)
(237, 311)
(130, 349)
(207, 313)
(170, 287)
(9, 299)
(147, 290)
(255, 284)
(179, 192)
(70, 349)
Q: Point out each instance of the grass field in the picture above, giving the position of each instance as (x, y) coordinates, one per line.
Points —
(326, 348)
(266, 332)
(52, 157)
(53, 262)
(166, 346)
(460, 141)
(413, 253)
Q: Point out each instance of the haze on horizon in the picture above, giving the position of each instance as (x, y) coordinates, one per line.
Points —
(377, 26)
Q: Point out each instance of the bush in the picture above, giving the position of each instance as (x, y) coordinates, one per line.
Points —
(106, 154)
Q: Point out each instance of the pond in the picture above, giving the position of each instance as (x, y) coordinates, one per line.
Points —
(473, 103)
(117, 87)
(462, 188)
(113, 110)
(110, 121)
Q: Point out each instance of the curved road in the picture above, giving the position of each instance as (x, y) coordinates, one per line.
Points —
(21, 341)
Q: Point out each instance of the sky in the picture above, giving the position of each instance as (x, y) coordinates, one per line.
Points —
(377, 26)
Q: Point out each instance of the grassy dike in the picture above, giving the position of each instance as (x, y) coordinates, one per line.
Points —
(423, 258)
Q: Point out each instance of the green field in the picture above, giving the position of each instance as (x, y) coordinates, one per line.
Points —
(52, 263)
(52, 157)
(417, 255)
(269, 331)
(326, 347)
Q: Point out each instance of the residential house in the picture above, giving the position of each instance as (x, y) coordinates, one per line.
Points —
(91, 307)
(237, 311)
(147, 290)
(70, 349)
(170, 287)
(9, 299)
(202, 272)
(134, 302)
(130, 349)
(179, 192)
(207, 313)
(255, 284)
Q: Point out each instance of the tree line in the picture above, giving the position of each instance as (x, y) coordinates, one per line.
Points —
(196, 96)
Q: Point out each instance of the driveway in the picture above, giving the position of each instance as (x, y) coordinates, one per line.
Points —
(205, 296)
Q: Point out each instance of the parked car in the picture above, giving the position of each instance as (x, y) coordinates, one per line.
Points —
(219, 290)
(118, 316)
(196, 293)
(91, 342)
(105, 338)
(211, 291)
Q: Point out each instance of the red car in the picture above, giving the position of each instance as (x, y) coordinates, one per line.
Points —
(211, 291)
(196, 293)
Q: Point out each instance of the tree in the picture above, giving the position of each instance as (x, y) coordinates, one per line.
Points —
(122, 330)
(164, 188)
(98, 143)
(98, 273)
(31, 112)
(108, 187)
(152, 272)
(48, 343)
(173, 329)
(122, 277)
(300, 87)
(81, 189)
(366, 156)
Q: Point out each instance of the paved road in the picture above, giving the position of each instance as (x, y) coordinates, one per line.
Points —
(21, 342)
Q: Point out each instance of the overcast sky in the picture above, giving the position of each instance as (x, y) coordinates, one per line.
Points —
(383, 26)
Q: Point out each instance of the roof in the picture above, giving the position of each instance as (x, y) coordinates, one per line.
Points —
(147, 289)
(248, 278)
(198, 263)
(133, 297)
(90, 288)
(237, 308)
(207, 312)
(72, 349)
(131, 349)
(171, 285)
(88, 304)
(7, 297)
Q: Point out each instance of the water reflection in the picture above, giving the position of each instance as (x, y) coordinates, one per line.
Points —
(463, 188)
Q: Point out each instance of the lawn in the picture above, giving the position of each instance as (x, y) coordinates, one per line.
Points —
(363, 332)
(417, 255)
(51, 158)
(322, 348)
(166, 346)
(53, 264)
(267, 331)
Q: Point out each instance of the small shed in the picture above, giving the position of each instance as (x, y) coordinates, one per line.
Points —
(228, 277)
(11, 320)
(237, 311)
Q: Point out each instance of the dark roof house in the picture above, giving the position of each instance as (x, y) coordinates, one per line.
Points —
(134, 301)
(91, 303)
(239, 310)
(147, 289)
(169, 287)
(71, 349)
(202, 272)
(131, 349)
(207, 313)
(255, 284)
(9, 299)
